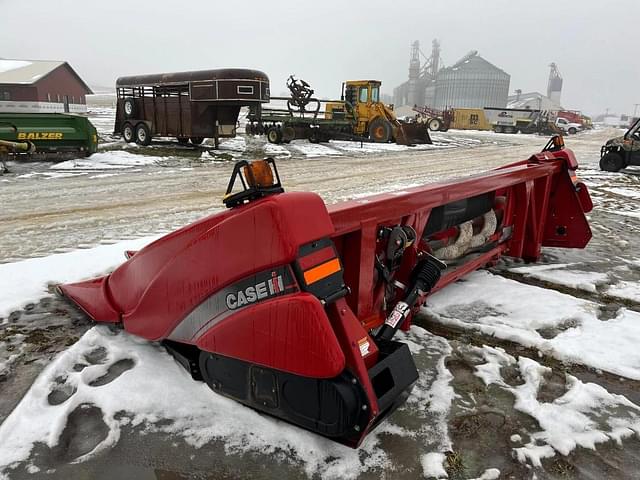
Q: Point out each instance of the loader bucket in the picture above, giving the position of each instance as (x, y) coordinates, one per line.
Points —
(412, 134)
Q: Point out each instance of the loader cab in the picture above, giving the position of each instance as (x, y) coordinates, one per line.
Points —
(361, 92)
(364, 96)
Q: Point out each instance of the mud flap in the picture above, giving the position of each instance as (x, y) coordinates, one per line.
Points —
(412, 134)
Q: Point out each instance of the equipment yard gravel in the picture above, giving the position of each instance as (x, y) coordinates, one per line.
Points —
(526, 371)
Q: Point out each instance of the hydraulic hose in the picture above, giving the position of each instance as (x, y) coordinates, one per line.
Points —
(425, 276)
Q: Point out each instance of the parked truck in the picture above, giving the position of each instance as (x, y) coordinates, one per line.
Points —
(568, 126)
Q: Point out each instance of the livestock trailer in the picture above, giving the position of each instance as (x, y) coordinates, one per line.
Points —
(189, 106)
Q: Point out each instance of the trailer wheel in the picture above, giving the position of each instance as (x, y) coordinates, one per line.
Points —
(143, 135)
(314, 135)
(611, 162)
(380, 130)
(183, 140)
(129, 107)
(274, 135)
(128, 133)
(435, 124)
(288, 134)
(196, 140)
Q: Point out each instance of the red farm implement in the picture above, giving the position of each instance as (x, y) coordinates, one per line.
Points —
(290, 306)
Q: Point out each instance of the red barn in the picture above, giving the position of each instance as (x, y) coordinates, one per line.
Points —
(43, 86)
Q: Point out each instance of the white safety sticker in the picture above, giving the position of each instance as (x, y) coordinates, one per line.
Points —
(364, 346)
(397, 315)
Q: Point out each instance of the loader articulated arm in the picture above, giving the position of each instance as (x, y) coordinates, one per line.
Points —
(291, 307)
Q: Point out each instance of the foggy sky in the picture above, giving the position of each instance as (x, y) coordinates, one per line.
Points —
(594, 42)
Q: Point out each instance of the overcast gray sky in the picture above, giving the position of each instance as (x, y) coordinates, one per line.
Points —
(594, 42)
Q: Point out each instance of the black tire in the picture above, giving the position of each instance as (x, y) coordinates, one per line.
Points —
(143, 134)
(274, 135)
(380, 130)
(435, 124)
(611, 162)
(314, 135)
(498, 129)
(288, 134)
(196, 140)
(572, 131)
(129, 108)
(182, 140)
(128, 133)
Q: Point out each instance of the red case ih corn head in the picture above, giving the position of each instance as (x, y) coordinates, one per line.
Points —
(290, 306)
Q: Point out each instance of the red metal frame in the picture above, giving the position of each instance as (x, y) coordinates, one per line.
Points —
(543, 207)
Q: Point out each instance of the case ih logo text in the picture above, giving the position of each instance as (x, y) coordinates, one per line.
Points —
(254, 293)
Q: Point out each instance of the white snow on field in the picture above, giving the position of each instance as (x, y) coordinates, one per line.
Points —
(193, 411)
(558, 274)
(625, 290)
(313, 149)
(433, 465)
(368, 147)
(50, 175)
(236, 144)
(525, 314)
(115, 159)
(277, 151)
(584, 415)
(624, 213)
(27, 281)
(625, 192)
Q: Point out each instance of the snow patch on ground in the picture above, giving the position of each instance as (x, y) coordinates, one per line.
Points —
(114, 159)
(236, 144)
(585, 415)
(558, 325)
(27, 281)
(558, 274)
(625, 192)
(277, 151)
(314, 149)
(175, 404)
(625, 290)
(433, 465)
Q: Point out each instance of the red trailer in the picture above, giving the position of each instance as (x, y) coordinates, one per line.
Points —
(290, 306)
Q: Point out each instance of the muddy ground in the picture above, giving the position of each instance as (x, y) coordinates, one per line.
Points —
(44, 214)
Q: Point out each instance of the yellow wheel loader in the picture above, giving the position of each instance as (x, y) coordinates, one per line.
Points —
(358, 115)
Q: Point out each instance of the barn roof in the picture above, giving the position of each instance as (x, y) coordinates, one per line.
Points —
(28, 72)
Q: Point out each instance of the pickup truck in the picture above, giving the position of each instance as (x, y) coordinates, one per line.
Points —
(568, 127)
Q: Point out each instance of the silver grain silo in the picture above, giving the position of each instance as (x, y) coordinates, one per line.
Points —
(471, 83)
